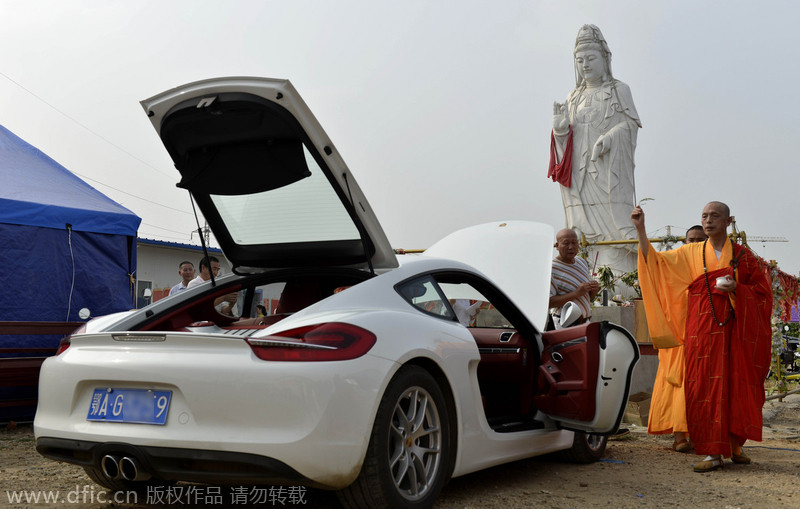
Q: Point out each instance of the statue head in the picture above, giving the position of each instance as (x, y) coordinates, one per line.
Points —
(590, 39)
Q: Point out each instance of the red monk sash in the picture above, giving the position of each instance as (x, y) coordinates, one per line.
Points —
(726, 365)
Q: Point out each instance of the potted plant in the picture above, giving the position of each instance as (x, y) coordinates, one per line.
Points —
(632, 279)
(605, 276)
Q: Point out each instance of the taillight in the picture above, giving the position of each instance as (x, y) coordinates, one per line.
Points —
(332, 341)
(66, 341)
(63, 345)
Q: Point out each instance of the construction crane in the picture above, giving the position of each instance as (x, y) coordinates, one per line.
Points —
(736, 235)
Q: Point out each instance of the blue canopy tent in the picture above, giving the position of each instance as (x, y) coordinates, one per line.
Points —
(63, 246)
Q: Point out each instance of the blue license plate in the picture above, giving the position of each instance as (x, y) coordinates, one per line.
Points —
(139, 406)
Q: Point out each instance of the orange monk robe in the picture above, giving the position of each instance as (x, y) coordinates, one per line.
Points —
(665, 279)
(668, 404)
(666, 321)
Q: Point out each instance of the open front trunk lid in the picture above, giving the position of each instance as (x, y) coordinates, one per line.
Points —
(516, 255)
(274, 189)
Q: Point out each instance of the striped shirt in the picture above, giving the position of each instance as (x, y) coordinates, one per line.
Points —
(567, 277)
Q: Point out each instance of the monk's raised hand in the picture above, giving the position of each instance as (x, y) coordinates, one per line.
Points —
(637, 217)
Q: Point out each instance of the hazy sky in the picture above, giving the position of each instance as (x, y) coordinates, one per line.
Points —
(442, 110)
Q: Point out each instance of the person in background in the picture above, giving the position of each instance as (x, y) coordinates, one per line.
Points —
(465, 310)
(206, 266)
(570, 279)
(668, 404)
(695, 234)
(714, 298)
(186, 272)
(262, 311)
(224, 304)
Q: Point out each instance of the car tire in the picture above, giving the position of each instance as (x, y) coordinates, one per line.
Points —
(408, 457)
(586, 447)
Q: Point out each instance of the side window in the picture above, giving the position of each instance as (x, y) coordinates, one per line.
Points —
(231, 304)
(269, 296)
(471, 308)
(243, 303)
(423, 294)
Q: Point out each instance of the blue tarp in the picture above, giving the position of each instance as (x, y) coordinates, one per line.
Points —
(37, 191)
(47, 270)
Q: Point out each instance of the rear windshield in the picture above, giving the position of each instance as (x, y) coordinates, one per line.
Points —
(306, 211)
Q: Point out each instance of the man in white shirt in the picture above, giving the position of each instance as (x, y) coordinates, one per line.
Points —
(205, 273)
(224, 304)
(186, 272)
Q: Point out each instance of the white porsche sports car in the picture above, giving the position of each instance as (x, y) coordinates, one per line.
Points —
(376, 379)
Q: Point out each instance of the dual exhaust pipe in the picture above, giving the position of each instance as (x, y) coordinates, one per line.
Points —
(126, 467)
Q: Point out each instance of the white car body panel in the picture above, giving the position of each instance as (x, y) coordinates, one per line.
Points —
(101, 322)
(321, 429)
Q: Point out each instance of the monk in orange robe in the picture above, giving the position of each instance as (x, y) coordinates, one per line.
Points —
(668, 404)
(717, 299)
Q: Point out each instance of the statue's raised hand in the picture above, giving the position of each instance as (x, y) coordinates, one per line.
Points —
(560, 118)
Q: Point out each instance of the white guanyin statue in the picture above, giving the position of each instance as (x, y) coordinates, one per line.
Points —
(591, 154)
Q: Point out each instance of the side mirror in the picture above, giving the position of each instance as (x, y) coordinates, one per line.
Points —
(570, 314)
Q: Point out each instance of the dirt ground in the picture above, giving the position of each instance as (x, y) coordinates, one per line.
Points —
(638, 471)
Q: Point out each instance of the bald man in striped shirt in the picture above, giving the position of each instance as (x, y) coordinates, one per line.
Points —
(570, 280)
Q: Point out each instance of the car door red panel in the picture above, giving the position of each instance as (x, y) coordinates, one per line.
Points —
(566, 380)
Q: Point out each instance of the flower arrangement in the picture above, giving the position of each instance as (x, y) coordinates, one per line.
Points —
(632, 279)
(605, 276)
(785, 290)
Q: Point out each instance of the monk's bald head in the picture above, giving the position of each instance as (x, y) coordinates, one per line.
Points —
(715, 219)
(565, 234)
(567, 245)
(723, 208)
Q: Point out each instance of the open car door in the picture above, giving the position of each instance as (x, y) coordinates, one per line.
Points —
(585, 372)
(584, 377)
